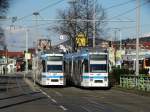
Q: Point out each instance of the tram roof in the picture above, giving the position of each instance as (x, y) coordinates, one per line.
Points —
(83, 53)
(96, 49)
(46, 53)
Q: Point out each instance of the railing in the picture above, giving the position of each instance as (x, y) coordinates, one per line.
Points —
(141, 83)
(4, 70)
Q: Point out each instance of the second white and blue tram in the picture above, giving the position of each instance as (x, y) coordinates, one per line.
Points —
(50, 69)
(87, 68)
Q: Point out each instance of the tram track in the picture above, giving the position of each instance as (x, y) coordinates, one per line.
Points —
(71, 99)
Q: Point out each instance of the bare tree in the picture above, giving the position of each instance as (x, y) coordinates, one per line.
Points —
(78, 18)
(2, 41)
(4, 4)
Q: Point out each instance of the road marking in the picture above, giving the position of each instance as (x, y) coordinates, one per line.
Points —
(53, 100)
(101, 106)
(45, 94)
(62, 107)
(48, 96)
(85, 109)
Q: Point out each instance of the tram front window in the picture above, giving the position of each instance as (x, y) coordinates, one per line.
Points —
(54, 68)
(54, 58)
(98, 68)
(98, 57)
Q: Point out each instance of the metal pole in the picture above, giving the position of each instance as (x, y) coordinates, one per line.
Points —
(36, 22)
(137, 35)
(27, 34)
(37, 34)
(115, 45)
(94, 17)
(120, 34)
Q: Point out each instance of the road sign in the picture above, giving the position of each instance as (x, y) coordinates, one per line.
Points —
(27, 55)
(61, 37)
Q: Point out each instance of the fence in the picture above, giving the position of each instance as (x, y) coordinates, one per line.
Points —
(5, 69)
(141, 83)
(2, 69)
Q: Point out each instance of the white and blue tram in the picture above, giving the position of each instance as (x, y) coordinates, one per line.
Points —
(50, 69)
(87, 68)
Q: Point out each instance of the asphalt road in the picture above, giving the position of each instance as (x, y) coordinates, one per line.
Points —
(19, 95)
(83, 100)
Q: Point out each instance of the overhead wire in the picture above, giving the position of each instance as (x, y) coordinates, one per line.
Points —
(128, 11)
(120, 4)
(40, 10)
(131, 27)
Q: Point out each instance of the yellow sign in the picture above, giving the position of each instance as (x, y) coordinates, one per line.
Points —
(81, 40)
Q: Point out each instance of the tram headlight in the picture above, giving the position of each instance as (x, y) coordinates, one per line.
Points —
(61, 79)
(105, 78)
(91, 79)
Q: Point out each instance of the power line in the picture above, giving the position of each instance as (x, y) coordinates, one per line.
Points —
(128, 11)
(131, 27)
(120, 4)
(40, 10)
(50, 5)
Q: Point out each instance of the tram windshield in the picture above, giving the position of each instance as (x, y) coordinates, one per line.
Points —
(54, 68)
(98, 57)
(54, 58)
(98, 68)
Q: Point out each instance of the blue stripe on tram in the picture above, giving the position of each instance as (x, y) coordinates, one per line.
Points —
(94, 77)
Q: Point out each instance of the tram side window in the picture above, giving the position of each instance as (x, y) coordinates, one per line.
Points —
(43, 64)
(70, 67)
(74, 67)
(64, 65)
(85, 66)
(79, 67)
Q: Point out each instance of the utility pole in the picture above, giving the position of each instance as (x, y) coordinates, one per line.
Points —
(87, 17)
(94, 17)
(120, 35)
(115, 43)
(36, 22)
(120, 47)
(37, 34)
(137, 35)
(26, 54)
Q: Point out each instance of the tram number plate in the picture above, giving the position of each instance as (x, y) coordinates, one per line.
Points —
(54, 80)
(98, 81)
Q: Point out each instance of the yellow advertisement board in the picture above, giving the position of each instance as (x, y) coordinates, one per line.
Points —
(81, 40)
